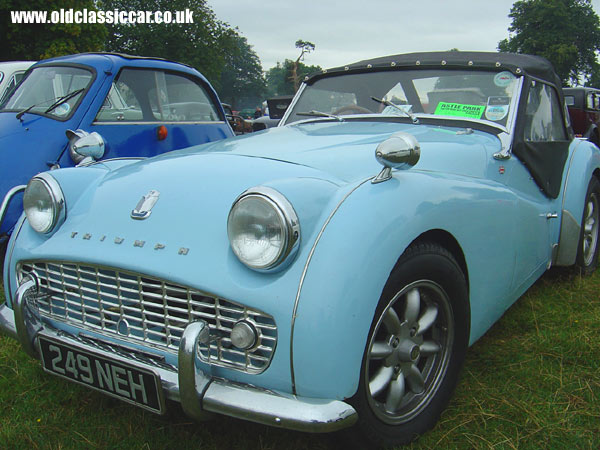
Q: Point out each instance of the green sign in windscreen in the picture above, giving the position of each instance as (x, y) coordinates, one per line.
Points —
(459, 110)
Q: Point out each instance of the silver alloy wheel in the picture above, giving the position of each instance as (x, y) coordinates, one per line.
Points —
(590, 229)
(409, 352)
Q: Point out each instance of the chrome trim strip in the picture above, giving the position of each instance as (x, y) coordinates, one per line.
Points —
(164, 122)
(123, 158)
(221, 396)
(303, 276)
(8, 197)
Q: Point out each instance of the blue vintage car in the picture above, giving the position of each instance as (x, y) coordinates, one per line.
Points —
(328, 273)
(130, 106)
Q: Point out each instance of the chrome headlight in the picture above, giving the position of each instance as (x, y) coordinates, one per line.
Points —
(263, 228)
(44, 203)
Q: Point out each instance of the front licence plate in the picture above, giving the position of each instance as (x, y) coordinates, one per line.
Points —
(123, 381)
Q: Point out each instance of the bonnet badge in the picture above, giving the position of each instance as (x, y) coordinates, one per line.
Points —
(144, 207)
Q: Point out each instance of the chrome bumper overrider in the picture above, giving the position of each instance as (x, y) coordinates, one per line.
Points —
(198, 393)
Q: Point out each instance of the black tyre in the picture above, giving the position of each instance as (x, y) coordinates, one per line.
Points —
(3, 247)
(587, 251)
(416, 347)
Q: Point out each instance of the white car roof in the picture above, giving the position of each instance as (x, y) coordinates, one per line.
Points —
(8, 67)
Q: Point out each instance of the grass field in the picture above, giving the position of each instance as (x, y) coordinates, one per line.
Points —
(532, 382)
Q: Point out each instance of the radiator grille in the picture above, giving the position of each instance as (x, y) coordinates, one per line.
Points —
(148, 310)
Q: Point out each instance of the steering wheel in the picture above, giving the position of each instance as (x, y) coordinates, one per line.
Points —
(348, 109)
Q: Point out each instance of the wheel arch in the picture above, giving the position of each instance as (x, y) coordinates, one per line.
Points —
(584, 163)
(446, 240)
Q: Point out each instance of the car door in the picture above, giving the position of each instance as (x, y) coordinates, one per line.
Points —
(150, 111)
(535, 176)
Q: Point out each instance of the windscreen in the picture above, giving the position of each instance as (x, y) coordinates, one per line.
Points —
(51, 91)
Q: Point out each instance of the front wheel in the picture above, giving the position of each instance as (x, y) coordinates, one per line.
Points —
(587, 251)
(416, 347)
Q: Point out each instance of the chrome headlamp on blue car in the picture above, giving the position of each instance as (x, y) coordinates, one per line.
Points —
(334, 292)
(263, 228)
(44, 203)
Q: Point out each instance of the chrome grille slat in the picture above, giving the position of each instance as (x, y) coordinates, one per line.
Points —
(149, 310)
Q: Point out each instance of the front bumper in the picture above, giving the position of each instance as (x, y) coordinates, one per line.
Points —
(198, 393)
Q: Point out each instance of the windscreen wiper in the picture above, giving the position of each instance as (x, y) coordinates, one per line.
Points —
(393, 105)
(26, 110)
(314, 113)
(63, 99)
(57, 103)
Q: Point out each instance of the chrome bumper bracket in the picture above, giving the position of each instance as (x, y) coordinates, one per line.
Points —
(199, 393)
(27, 319)
(192, 381)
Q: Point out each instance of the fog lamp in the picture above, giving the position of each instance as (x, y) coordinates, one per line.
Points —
(244, 335)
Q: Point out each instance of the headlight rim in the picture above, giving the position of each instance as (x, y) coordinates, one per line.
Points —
(58, 201)
(286, 212)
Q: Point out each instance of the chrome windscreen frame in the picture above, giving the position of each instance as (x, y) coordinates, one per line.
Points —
(289, 109)
(505, 135)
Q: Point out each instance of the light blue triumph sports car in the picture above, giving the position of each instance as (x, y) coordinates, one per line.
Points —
(327, 273)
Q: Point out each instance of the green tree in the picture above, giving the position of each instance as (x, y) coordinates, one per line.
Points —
(242, 81)
(197, 44)
(305, 47)
(280, 78)
(594, 78)
(566, 32)
(39, 41)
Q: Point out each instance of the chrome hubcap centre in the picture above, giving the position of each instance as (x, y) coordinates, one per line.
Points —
(408, 351)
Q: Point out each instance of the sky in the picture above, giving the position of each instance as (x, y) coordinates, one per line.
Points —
(346, 31)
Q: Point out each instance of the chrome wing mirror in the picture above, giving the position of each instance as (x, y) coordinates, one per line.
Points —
(84, 147)
(400, 151)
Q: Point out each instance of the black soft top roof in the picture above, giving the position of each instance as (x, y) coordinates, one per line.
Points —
(518, 64)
